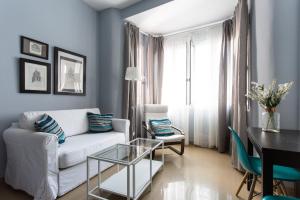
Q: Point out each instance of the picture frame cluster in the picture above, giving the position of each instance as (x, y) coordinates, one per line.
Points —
(35, 76)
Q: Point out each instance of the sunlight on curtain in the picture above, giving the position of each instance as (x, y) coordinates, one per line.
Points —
(201, 48)
(205, 59)
(174, 82)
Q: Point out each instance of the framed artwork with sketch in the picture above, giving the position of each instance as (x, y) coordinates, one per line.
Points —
(35, 76)
(34, 48)
(69, 73)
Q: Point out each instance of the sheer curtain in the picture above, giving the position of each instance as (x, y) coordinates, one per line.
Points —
(174, 82)
(191, 83)
(206, 51)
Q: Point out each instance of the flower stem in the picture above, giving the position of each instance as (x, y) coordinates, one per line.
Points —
(270, 118)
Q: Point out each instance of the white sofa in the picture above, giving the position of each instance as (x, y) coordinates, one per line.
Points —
(38, 165)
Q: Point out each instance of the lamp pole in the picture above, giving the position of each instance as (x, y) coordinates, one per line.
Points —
(132, 75)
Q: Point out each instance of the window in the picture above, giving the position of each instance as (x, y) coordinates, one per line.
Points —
(191, 82)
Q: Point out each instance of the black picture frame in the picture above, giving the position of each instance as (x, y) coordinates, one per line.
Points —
(71, 57)
(26, 49)
(24, 76)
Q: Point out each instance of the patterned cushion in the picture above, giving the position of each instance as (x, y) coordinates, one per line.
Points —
(49, 125)
(99, 123)
(161, 127)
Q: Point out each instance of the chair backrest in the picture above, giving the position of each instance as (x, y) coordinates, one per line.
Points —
(155, 111)
(241, 151)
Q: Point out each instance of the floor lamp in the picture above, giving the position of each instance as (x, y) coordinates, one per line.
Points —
(132, 75)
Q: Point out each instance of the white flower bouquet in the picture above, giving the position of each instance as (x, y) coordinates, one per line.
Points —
(269, 99)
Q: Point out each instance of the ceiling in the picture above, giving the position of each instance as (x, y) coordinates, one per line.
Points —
(179, 15)
(103, 4)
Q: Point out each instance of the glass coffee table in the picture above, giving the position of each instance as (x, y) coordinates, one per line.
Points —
(137, 172)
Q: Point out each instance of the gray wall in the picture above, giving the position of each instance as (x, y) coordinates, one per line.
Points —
(275, 53)
(68, 24)
(72, 25)
(111, 44)
(111, 37)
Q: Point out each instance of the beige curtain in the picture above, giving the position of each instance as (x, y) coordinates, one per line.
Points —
(154, 70)
(240, 56)
(225, 91)
(151, 68)
(146, 53)
(131, 55)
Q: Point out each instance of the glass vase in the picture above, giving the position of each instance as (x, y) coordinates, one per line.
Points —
(271, 122)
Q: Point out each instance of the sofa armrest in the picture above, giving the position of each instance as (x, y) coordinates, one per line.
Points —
(121, 125)
(27, 137)
(32, 162)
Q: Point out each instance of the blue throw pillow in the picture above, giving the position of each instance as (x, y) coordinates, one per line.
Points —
(99, 123)
(49, 125)
(161, 127)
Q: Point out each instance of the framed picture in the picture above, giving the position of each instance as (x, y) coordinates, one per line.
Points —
(33, 47)
(69, 73)
(35, 76)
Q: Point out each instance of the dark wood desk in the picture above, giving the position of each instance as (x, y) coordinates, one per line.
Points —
(274, 148)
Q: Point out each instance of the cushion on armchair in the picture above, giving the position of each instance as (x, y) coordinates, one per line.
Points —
(161, 127)
(49, 125)
(99, 123)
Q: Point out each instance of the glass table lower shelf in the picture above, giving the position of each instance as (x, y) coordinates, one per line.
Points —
(137, 169)
(117, 183)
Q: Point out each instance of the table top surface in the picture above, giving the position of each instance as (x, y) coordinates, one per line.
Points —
(146, 142)
(127, 153)
(285, 140)
(121, 153)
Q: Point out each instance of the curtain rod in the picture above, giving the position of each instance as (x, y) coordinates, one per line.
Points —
(197, 27)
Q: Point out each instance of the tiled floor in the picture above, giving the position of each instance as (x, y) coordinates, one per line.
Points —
(200, 173)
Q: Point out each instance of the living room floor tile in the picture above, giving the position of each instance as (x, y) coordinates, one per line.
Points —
(200, 173)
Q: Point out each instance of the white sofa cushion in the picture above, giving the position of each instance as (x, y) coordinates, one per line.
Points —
(77, 148)
(73, 122)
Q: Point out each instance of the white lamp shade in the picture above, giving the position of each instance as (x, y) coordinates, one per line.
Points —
(132, 74)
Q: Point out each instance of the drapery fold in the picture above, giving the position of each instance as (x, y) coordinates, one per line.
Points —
(146, 53)
(131, 55)
(151, 69)
(240, 57)
(225, 89)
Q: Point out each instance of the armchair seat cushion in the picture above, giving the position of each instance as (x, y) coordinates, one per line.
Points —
(77, 148)
(172, 138)
(161, 127)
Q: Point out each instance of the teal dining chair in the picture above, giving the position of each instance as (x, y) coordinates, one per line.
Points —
(279, 198)
(252, 166)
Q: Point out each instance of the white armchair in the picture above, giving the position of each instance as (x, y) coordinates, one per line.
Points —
(157, 111)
